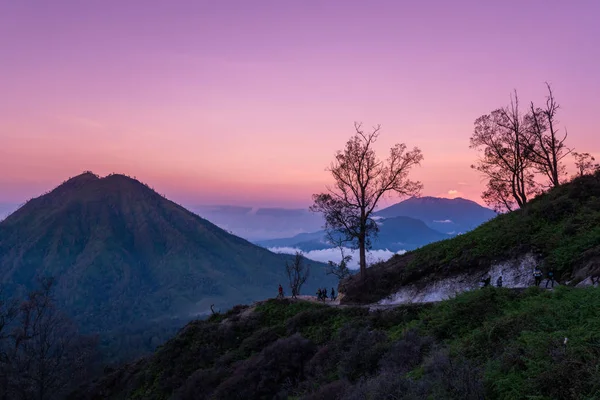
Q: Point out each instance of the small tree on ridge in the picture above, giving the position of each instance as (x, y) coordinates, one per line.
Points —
(298, 272)
(584, 163)
(339, 269)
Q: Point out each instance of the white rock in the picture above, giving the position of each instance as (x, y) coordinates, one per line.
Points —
(517, 273)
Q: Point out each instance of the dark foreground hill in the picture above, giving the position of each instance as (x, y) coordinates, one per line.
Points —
(486, 344)
(558, 230)
(395, 234)
(123, 255)
(445, 215)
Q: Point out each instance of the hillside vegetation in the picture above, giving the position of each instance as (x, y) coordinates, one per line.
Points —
(125, 258)
(561, 228)
(491, 343)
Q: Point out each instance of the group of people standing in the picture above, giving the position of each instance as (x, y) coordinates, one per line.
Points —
(322, 294)
(537, 277)
(486, 280)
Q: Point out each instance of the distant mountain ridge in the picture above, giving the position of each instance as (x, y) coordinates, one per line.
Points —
(260, 223)
(395, 234)
(445, 215)
(407, 225)
(123, 254)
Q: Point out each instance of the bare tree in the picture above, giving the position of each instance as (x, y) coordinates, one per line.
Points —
(504, 137)
(547, 149)
(44, 353)
(340, 269)
(8, 313)
(497, 195)
(361, 179)
(298, 272)
(584, 162)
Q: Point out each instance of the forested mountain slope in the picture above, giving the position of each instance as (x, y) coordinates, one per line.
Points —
(122, 254)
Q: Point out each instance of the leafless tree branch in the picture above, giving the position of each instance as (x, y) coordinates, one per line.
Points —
(361, 180)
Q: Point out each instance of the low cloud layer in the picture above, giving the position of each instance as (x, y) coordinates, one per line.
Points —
(335, 256)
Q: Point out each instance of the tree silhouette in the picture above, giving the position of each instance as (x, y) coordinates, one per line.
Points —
(584, 162)
(42, 354)
(361, 179)
(298, 272)
(340, 269)
(504, 137)
(547, 149)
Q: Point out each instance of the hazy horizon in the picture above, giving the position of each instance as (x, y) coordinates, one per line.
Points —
(385, 201)
(246, 103)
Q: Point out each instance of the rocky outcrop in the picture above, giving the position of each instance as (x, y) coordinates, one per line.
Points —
(516, 273)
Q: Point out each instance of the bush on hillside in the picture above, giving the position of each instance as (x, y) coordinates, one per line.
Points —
(509, 346)
(263, 376)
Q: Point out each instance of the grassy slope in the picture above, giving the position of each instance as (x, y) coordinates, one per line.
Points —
(494, 343)
(562, 227)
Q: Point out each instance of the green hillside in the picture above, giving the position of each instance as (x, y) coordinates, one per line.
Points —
(495, 343)
(561, 228)
(124, 255)
(492, 344)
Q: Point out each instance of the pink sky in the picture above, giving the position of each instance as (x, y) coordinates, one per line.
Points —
(246, 102)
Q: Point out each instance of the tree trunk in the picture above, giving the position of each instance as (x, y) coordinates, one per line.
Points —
(363, 255)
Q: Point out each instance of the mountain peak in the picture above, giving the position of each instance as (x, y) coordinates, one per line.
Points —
(115, 241)
(80, 180)
(432, 199)
(86, 187)
(443, 214)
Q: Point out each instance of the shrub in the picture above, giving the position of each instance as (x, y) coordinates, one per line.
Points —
(386, 386)
(263, 375)
(454, 378)
(201, 384)
(406, 354)
(331, 391)
(362, 349)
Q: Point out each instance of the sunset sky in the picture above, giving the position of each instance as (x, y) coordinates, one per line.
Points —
(246, 102)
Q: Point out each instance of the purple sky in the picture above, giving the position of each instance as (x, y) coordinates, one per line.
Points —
(246, 102)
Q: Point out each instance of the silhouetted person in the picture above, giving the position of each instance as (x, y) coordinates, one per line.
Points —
(550, 278)
(324, 294)
(280, 295)
(499, 281)
(537, 275)
(486, 281)
(332, 294)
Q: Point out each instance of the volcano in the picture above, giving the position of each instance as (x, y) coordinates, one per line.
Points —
(121, 253)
